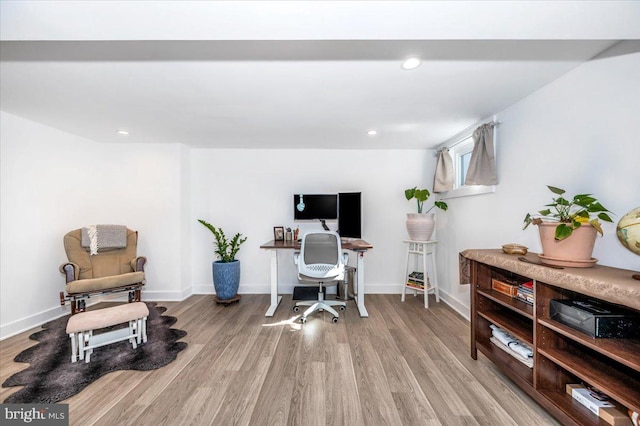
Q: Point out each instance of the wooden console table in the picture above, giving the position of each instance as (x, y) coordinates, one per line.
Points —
(561, 354)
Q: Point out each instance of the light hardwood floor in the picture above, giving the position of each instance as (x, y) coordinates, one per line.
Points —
(403, 365)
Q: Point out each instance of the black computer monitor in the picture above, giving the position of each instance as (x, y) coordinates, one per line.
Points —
(315, 206)
(350, 214)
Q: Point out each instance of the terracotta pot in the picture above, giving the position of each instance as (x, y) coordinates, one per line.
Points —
(420, 226)
(578, 247)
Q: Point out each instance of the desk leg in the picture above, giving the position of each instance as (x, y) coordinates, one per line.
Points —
(275, 298)
(360, 278)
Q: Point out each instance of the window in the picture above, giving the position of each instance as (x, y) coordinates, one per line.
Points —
(461, 154)
(460, 149)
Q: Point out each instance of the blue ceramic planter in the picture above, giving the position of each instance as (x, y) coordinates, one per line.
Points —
(226, 278)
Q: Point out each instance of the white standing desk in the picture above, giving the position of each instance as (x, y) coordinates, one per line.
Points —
(357, 246)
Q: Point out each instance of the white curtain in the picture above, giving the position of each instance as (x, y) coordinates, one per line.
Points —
(443, 180)
(482, 166)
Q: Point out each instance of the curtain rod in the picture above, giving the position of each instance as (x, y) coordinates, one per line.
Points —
(457, 138)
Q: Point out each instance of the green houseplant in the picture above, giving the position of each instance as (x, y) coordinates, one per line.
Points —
(226, 270)
(420, 225)
(422, 195)
(568, 228)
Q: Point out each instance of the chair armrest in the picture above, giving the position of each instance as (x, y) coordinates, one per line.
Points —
(296, 256)
(345, 258)
(70, 271)
(138, 263)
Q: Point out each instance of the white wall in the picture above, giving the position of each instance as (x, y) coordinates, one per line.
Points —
(251, 191)
(580, 133)
(53, 182)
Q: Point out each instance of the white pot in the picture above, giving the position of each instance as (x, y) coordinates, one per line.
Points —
(420, 226)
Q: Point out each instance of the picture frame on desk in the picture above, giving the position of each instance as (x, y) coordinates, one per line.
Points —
(278, 233)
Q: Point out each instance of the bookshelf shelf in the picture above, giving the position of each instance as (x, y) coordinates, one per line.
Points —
(624, 351)
(572, 409)
(518, 326)
(514, 369)
(508, 302)
(622, 387)
(562, 355)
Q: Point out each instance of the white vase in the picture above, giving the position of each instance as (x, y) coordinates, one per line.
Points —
(420, 226)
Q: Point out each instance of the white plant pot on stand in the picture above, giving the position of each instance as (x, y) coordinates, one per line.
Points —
(420, 226)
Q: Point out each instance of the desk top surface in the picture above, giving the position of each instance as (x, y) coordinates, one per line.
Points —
(357, 245)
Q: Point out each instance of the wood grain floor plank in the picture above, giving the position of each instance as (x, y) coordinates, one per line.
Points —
(403, 365)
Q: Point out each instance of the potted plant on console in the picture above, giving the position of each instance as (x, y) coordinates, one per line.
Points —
(420, 225)
(226, 270)
(568, 228)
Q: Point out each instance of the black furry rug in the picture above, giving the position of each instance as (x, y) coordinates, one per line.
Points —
(52, 377)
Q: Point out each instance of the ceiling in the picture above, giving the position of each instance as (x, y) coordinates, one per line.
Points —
(275, 93)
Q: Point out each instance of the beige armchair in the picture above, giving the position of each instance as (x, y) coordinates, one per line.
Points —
(111, 270)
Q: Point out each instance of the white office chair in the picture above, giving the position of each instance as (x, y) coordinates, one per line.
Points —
(320, 261)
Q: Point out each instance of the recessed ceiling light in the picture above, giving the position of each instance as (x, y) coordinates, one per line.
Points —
(372, 133)
(122, 132)
(411, 63)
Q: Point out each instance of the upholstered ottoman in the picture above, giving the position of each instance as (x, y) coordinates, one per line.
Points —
(81, 326)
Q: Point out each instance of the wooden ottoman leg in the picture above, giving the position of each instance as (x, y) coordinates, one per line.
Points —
(80, 345)
(144, 329)
(87, 340)
(132, 333)
(74, 347)
(139, 330)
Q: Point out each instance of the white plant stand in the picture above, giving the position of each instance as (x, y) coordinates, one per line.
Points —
(416, 251)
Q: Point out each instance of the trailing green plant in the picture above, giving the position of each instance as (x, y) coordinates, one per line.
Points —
(570, 213)
(422, 195)
(225, 250)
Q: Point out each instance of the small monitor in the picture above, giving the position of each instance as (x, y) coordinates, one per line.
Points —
(315, 206)
(350, 215)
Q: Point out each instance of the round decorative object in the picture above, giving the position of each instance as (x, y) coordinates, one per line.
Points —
(514, 248)
(628, 230)
(226, 279)
(420, 226)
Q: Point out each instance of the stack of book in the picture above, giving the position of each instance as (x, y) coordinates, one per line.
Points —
(598, 403)
(506, 287)
(416, 280)
(525, 292)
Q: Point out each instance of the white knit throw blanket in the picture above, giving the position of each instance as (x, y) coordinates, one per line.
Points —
(92, 230)
(97, 237)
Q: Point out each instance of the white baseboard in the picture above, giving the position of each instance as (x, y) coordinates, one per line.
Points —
(167, 296)
(455, 304)
(35, 320)
(288, 289)
(24, 324)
